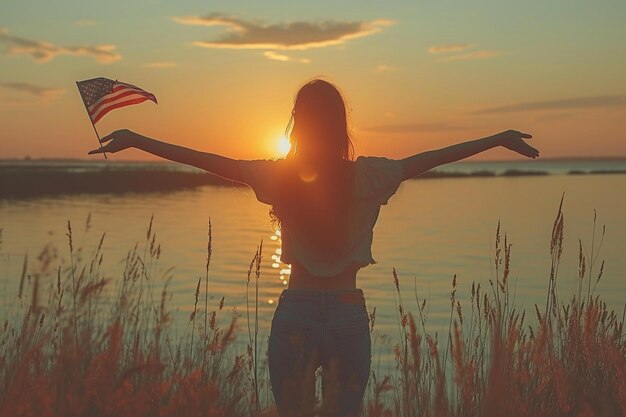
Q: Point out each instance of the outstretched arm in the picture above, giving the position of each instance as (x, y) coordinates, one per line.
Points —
(216, 164)
(425, 161)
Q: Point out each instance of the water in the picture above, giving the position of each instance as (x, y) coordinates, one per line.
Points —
(431, 230)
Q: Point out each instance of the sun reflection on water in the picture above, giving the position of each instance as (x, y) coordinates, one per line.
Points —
(283, 269)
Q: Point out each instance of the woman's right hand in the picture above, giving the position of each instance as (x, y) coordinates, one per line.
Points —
(514, 140)
(117, 141)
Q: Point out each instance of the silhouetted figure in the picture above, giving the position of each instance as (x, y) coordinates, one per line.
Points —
(326, 204)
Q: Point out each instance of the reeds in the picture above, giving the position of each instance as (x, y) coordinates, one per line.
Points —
(103, 346)
(252, 347)
(570, 362)
(94, 350)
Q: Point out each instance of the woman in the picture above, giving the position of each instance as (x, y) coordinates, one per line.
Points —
(326, 205)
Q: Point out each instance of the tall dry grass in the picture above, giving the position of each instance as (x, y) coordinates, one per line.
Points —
(570, 361)
(81, 344)
(76, 347)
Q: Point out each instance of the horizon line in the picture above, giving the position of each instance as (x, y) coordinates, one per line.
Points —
(77, 159)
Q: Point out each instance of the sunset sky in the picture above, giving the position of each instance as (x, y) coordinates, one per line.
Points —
(417, 75)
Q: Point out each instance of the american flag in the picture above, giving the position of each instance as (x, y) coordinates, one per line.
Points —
(102, 95)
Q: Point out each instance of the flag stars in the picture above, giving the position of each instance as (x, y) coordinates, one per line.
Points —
(102, 95)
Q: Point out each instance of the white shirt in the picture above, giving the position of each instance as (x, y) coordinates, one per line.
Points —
(376, 179)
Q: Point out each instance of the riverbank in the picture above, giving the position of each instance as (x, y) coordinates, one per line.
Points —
(26, 179)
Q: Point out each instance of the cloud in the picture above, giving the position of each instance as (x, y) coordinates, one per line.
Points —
(35, 90)
(470, 56)
(284, 58)
(412, 128)
(85, 22)
(562, 104)
(44, 51)
(255, 34)
(160, 65)
(382, 68)
(444, 49)
(554, 116)
(453, 52)
(15, 101)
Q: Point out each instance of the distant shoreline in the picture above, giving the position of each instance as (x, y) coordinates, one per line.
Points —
(28, 182)
(112, 160)
(32, 181)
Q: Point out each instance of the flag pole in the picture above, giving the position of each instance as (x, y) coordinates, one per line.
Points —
(92, 123)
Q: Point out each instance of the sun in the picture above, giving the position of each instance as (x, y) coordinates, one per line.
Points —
(283, 145)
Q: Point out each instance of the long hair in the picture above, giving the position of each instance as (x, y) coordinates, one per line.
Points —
(316, 186)
(320, 123)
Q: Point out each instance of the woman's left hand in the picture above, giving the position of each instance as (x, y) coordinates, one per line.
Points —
(514, 140)
(117, 141)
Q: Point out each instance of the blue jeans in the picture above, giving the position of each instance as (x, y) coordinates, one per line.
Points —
(313, 328)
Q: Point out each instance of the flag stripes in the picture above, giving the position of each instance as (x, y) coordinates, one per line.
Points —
(101, 95)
